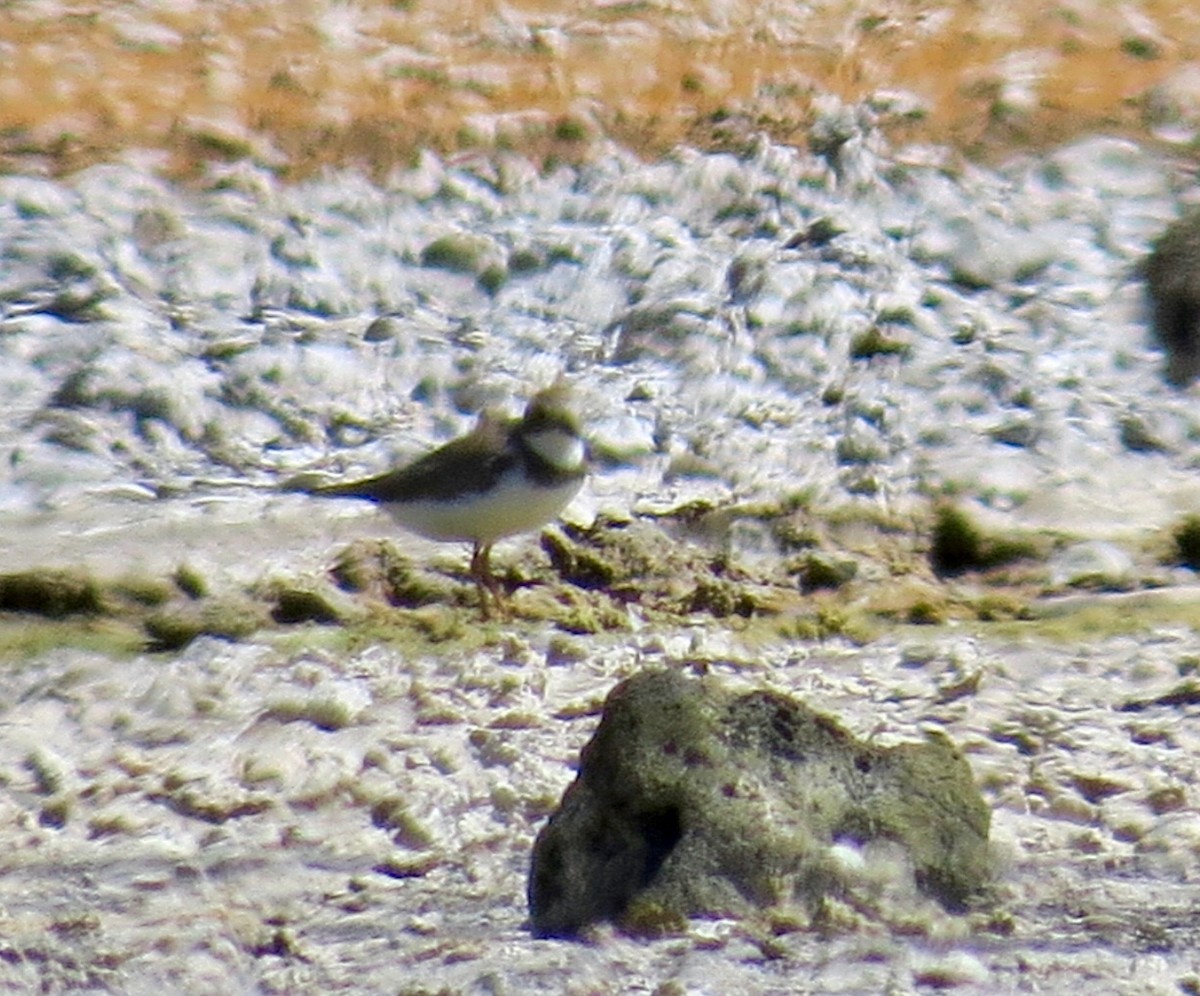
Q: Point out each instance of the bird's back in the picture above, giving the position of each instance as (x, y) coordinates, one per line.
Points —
(471, 463)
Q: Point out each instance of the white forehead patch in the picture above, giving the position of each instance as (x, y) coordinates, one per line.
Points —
(562, 450)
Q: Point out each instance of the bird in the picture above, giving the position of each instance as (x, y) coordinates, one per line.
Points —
(506, 476)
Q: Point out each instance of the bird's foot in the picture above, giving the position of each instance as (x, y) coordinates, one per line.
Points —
(491, 597)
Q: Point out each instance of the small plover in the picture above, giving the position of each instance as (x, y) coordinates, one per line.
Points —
(506, 476)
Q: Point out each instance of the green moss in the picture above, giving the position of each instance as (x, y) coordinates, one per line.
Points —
(861, 451)
(411, 587)
(833, 394)
(1145, 49)
(959, 545)
(374, 567)
(457, 252)
(720, 598)
(957, 541)
(391, 813)
(190, 581)
(230, 147)
(525, 261)
(874, 342)
(964, 278)
(434, 77)
(821, 231)
(1084, 619)
(358, 566)
(825, 623)
(646, 918)
(493, 278)
(143, 590)
(47, 774)
(323, 712)
(301, 603)
(175, 627)
(1186, 537)
(64, 267)
(865, 514)
(926, 613)
(1000, 606)
(577, 563)
(817, 571)
(583, 618)
(563, 254)
(51, 592)
(377, 626)
(795, 533)
(570, 130)
(898, 314)
(29, 637)
(440, 624)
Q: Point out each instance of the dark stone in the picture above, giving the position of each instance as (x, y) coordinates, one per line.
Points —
(384, 328)
(1173, 283)
(694, 799)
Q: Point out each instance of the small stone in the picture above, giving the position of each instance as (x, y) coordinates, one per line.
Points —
(383, 329)
(1093, 564)
(1138, 435)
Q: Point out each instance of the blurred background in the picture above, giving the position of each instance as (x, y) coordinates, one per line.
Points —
(300, 86)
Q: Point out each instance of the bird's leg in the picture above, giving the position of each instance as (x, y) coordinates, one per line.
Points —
(481, 571)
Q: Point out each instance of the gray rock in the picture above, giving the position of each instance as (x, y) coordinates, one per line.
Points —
(1173, 282)
(694, 799)
(1139, 434)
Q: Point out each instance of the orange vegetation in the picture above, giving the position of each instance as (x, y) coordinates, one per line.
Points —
(299, 85)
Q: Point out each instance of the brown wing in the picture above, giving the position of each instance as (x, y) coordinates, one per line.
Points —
(470, 463)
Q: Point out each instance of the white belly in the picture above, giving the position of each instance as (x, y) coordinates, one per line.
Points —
(513, 506)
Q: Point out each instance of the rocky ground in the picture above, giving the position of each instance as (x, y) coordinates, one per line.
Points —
(247, 746)
(874, 426)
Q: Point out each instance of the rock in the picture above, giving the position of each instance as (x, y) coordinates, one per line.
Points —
(1138, 434)
(693, 799)
(1093, 564)
(1173, 282)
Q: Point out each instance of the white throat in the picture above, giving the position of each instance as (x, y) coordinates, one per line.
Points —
(562, 450)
